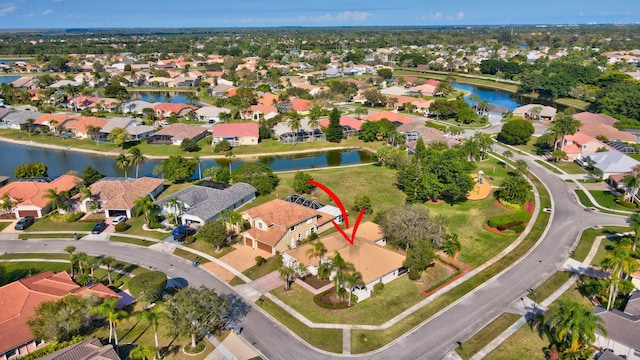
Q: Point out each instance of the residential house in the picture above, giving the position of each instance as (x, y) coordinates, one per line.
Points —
(579, 144)
(394, 117)
(25, 83)
(63, 84)
(415, 131)
(237, 134)
(174, 134)
(220, 91)
(19, 300)
(135, 128)
(610, 163)
(163, 110)
(16, 119)
(306, 133)
(184, 81)
(136, 106)
(30, 196)
(116, 196)
(623, 329)
(428, 89)
(376, 263)
(279, 225)
(79, 126)
(536, 112)
(89, 349)
(601, 125)
(350, 125)
(258, 112)
(211, 114)
(207, 201)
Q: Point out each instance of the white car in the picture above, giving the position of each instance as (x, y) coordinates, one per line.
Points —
(119, 220)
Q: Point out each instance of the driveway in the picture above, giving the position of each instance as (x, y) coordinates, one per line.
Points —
(270, 281)
(242, 258)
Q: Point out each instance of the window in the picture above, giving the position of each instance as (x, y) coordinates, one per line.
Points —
(259, 224)
(309, 221)
(292, 228)
(299, 235)
(11, 353)
(584, 147)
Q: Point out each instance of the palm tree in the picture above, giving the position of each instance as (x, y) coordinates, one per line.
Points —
(507, 155)
(295, 123)
(314, 123)
(108, 261)
(635, 227)
(141, 353)
(318, 250)
(521, 166)
(92, 263)
(70, 249)
(564, 125)
(352, 279)
(80, 258)
(360, 111)
(483, 105)
(108, 310)
(341, 267)
(123, 163)
(54, 198)
(136, 157)
(632, 183)
(232, 219)
(7, 203)
(175, 208)
(572, 327)
(471, 148)
(620, 262)
(485, 142)
(152, 317)
(144, 205)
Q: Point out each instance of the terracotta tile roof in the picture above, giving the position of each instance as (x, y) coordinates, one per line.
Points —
(344, 121)
(32, 192)
(389, 115)
(181, 131)
(611, 133)
(19, 299)
(267, 99)
(119, 194)
(265, 109)
(46, 119)
(300, 104)
(174, 108)
(271, 236)
(238, 129)
(587, 118)
(81, 124)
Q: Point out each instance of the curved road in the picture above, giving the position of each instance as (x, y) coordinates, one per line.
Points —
(434, 339)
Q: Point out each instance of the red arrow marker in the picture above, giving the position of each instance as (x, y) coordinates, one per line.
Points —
(336, 199)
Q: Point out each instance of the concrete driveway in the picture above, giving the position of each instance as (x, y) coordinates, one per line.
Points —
(242, 258)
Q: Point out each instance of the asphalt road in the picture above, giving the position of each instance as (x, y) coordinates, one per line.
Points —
(432, 340)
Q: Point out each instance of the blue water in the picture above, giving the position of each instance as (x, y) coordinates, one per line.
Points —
(160, 96)
(60, 161)
(9, 61)
(8, 79)
(498, 97)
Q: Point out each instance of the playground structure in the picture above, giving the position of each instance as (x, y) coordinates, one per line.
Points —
(482, 189)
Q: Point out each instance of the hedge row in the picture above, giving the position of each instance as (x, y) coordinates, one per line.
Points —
(509, 225)
(436, 126)
(521, 215)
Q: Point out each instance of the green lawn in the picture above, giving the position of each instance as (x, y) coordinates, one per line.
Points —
(577, 103)
(588, 237)
(35, 256)
(45, 224)
(49, 139)
(325, 339)
(189, 256)
(4, 224)
(530, 147)
(133, 241)
(549, 286)
(397, 296)
(605, 245)
(210, 249)
(461, 79)
(483, 337)
(18, 270)
(548, 166)
(136, 229)
(570, 167)
(275, 146)
(607, 199)
(25, 236)
(256, 272)
(523, 344)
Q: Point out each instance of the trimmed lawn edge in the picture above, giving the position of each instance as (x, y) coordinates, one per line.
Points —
(483, 337)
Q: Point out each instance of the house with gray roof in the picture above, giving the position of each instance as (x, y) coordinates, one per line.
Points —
(210, 114)
(611, 162)
(134, 127)
(136, 106)
(14, 119)
(623, 329)
(204, 203)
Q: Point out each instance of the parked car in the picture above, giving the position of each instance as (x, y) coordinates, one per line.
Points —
(178, 229)
(119, 220)
(99, 227)
(24, 223)
(181, 234)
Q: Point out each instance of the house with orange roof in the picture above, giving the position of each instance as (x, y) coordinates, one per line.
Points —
(579, 144)
(394, 117)
(236, 134)
(19, 299)
(301, 106)
(422, 90)
(258, 112)
(601, 125)
(174, 134)
(79, 126)
(30, 195)
(376, 263)
(116, 196)
(350, 125)
(279, 225)
(163, 110)
(268, 99)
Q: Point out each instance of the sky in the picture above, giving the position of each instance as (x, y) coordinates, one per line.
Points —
(48, 14)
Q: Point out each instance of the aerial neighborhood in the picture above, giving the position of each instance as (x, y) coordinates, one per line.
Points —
(184, 193)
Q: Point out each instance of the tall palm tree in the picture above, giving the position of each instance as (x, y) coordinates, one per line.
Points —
(318, 250)
(136, 157)
(632, 183)
(123, 163)
(572, 327)
(507, 155)
(314, 123)
(341, 267)
(81, 259)
(620, 262)
(108, 261)
(108, 310)
(485, 143)
(564, 125)
(144, 205)
(91, 264)
(295, 123)
(7, 203)
(232, 219)
(352, 279)
(54, 198)
(471, 148)
(70, 250)
(141, 353)
(152, 317)
(635, 227)
(175, 208)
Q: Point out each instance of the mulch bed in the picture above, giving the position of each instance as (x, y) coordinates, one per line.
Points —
(330, 297)
(315, 281)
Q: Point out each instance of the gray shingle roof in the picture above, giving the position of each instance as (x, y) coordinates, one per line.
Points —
(20, 117)
(621, 327)
(206, 203)
(88, 349)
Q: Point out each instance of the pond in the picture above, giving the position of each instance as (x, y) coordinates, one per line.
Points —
(62, 161)
(161, 96)
(8, 79)
(503, 98)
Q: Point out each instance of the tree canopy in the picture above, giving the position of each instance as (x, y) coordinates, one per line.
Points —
(407, 224)
(516, 132)
(30, 170)
(258, 175)
(334, 131)
(177, 168)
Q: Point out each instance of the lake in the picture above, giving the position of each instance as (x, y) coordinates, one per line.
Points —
(502, 98)
(8, 79)
(61, 161)
(160, 96)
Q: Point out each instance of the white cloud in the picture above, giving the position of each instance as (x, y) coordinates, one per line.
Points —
(47, 12)
(460, 15)
(28, 15)
(341, 17)
(436, 16)
(7, 9)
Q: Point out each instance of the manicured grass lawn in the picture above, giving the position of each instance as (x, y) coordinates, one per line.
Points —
(54, 140)
(529, 147)
(18, 270)
(325, 339)
(546, 165)
(25, 236)
(45, 224)
(210, 249)
(523, 344)
(588, 237)
(256, 272)
(397, 296)
(486, 335)
(35, 256)
(573, 102)
(570, 167)
(380, 338)
(607, 199)
(4, 224)
(550, 285)
(461, 79)
(584, 200)
(133, 241)
(189, 256)
(606, 244)
(136, 229)
(275, 146)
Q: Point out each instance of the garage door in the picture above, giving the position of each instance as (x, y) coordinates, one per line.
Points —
(23, 213)
(248, 242)
(264, 247)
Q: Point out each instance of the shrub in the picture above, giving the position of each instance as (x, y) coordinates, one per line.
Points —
(260, 260)
(66, 218)
(519, 228)
(189, 145)
(123, 226)
(377, 288)
(434, 125)
(509, 225)
(520, 215)
(148, 286)
(190, 239)
(222, 146)
(117, 283)
(510, 206)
